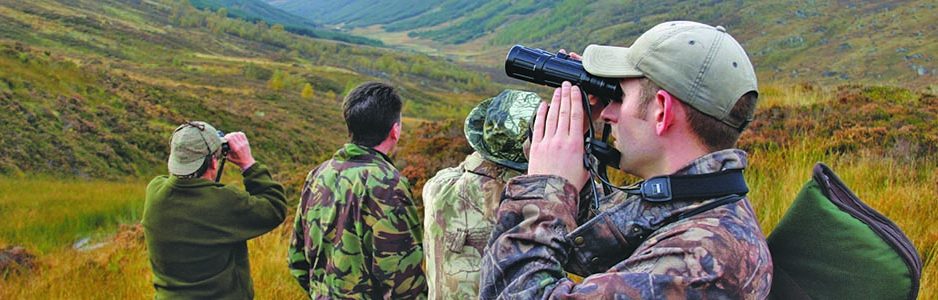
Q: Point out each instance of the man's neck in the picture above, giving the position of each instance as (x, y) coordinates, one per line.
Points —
(385, 147)
(674, 159)
(209, 177)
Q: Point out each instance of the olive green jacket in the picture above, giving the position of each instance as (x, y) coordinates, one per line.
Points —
(197, 230)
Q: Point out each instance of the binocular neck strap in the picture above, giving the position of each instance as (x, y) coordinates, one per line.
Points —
(221, 168)
(692, 187)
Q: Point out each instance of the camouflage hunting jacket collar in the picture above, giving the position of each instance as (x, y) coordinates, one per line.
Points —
(355, 152)
(729, 159)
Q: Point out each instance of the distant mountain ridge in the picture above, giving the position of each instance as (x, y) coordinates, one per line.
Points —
(833, 42)
(257, 10)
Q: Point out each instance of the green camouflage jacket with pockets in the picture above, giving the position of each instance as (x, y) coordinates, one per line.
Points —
(460, 215)
(720, 253)
(357, 233)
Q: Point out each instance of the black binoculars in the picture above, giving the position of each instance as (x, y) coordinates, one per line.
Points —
(224, 155)
(545, 68)
(224, 143)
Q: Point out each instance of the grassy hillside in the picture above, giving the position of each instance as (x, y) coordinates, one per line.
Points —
(834, 125)
(94, 88)
(259, 11)
(874, 42)
(254, 9)
(358, 13)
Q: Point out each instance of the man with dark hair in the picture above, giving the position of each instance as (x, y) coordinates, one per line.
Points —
(688, 231)
(357, 232)
(196, 229)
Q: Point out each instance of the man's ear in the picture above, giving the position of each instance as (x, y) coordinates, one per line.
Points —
(395, 133)
(212, 165)
(664, 116)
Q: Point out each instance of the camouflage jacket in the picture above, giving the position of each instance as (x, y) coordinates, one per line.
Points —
(460, 215)
(719, 253)
(357, 233)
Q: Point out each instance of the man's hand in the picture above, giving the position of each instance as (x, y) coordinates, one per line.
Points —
(557, 140)
(596, 106)
(240, 150)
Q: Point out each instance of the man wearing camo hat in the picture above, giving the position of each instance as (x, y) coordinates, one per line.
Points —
(689, 91)
(196, 229)
(461, 201)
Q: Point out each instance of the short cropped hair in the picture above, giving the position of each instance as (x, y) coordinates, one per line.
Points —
(370, 111)
(714, 134)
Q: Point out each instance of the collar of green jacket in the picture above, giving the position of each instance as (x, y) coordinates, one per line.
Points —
(477, 164)
(354, 152)
(191, 182)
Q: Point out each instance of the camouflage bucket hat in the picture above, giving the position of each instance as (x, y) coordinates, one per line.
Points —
(498, 127)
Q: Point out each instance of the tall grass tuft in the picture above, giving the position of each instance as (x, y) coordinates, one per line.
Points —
(792, 95)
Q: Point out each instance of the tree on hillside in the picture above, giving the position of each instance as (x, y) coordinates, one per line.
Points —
(278, 81)
(307, 92)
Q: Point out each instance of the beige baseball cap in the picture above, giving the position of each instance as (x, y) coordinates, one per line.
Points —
(191, 143)
(700, 64)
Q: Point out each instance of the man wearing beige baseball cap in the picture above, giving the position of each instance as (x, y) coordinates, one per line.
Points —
(197, 229)
(687, 231)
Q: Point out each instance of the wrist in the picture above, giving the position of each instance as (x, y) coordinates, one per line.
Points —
(247, 164)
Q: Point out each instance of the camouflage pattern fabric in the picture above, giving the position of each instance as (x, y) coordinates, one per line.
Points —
(720, 253)
(461, 203)
(357, 234)
(498, 127)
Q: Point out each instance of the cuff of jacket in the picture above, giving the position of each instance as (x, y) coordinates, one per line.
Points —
(257, 178)
(547, 187)
(257, 167)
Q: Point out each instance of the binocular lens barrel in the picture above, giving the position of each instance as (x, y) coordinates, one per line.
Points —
(545, 68)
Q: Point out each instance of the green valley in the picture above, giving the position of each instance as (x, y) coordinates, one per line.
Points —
(874, 42)
(90, 91)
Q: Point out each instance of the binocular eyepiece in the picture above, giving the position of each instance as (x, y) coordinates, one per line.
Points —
(545, 68)
(224, 143)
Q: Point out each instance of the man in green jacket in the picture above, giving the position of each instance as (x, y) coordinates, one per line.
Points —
(357, 232)
(461, 201)
(196, 229)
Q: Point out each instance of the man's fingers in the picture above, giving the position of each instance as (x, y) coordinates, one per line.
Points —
(537, 133)
(576, 111)
(563, 116)
(551, 122)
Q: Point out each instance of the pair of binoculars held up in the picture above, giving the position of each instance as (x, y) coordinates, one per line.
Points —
(546, 68)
